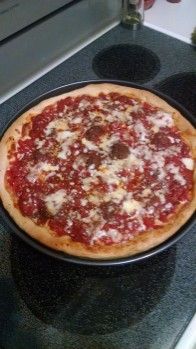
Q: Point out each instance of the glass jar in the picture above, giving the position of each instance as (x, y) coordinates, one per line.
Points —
(132, 13)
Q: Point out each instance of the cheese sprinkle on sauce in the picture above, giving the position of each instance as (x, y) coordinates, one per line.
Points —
(101, 169)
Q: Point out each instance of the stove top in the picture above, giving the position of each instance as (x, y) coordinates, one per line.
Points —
(181, 87)
(126, 62)
(89, 300)
(52, 304)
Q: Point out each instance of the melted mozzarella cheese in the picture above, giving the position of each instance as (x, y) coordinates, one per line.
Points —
(134, 162)
(44, 166)
(95, 199)
(38, 169)
(115, 195)
(176, 172)
(141, 132)
(55, 201)
(188, 163)
(88, 182)
(161, 119)
(121, 115)
(93, 115)
(168, 206)
(106, 143)
(131, 205)
(63, 135)
(84, 202)
(155, 129)
(159, 165)
(93, 215)
(98, 235)
(55, 125)
(89, 145)
(77, 120)
(161, 195)
(141, 151)
(64, 152)
(171, 139)
(109, 172)
(39, 144)
(83, 104)
(113, 234)
(67, 138)
(146, 192)
(78, 161)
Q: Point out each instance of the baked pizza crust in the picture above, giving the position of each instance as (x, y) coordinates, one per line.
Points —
(45, 235)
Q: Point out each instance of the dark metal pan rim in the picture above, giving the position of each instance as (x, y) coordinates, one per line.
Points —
(96, 262)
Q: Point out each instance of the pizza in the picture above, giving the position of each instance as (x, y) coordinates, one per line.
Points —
(104, 171)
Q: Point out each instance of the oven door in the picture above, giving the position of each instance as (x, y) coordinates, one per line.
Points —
(18, 14)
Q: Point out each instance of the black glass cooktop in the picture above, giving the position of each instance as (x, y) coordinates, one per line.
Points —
(50, 304)
(182, 88)
(89, 300)
(126, 62)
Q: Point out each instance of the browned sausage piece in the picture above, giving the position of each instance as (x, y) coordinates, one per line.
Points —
(108, 210)
(119, 151)
(160, 141)
(93, 158)
(94, 132)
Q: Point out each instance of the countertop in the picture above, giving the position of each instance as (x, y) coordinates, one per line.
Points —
(50, 304)
(175, 19)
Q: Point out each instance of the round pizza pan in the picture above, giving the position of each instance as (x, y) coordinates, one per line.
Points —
(97, 262)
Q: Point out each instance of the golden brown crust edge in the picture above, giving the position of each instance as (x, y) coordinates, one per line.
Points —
(140, 243)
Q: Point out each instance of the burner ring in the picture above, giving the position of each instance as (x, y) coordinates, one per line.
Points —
(182, 88)
(126, 62)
